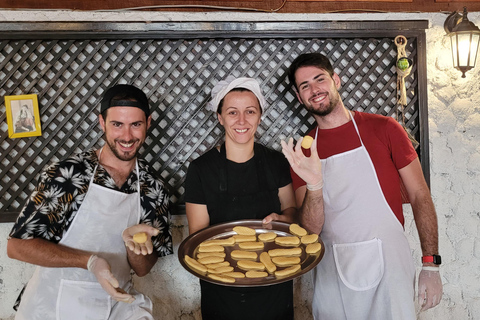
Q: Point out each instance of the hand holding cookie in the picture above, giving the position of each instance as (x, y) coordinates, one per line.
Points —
(138, 238)
(307, 168)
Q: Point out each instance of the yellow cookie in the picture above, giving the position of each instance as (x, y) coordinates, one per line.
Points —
(267, 236)
(287, 271)
(307, 142)
(195, 265)
(210, 260)
(217, 265)
(297, 230)
(285, 261)
(219, 242)
(256, 274)
(140, 237)
(222, 278)
(251, 245)
(313, 248)
(214, 248)
(244, 238)
(221, 270)
(243, 255)
(250, 265)
(287, 241)
(310, 238)
(285, 252)
(235, 274)
(210, 254)
(244, 231)
(265, 259)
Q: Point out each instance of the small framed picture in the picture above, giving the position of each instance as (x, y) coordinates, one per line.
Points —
(23, 117)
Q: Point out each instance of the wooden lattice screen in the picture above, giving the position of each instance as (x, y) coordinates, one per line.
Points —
(70, 65)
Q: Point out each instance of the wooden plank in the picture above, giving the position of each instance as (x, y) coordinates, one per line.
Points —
(358, 1)
(278, 6)
(8, 216)
(456, 1)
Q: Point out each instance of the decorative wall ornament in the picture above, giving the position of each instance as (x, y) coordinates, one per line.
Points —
(23, 117)
(404, 67)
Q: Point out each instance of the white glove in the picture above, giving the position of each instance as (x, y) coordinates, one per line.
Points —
(139, 248)
(101, 269)
(307, 168)
(429, 287)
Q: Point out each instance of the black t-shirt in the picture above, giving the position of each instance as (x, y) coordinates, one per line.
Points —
(202, 185)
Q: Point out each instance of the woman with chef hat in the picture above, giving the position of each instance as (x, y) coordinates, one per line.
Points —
(240, 179)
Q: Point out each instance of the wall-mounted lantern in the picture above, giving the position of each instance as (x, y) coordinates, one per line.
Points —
(464, 38)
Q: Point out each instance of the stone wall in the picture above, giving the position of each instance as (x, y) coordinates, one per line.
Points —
(454, 124)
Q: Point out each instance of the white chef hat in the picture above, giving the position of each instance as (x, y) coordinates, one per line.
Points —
(225, 86)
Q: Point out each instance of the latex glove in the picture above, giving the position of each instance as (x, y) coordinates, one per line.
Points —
(139, 248)
(101, 269)
(429, 288)
(307, 168)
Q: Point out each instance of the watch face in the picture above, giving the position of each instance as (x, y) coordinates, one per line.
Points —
(437, 259)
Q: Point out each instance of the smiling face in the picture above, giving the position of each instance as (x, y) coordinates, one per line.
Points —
(240, 116)
(125, 131)
(317, 90)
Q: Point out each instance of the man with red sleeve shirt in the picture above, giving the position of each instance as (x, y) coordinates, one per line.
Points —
(349, 192)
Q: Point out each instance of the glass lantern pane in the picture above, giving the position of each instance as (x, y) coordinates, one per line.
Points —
(463, 49)
(453, 40)
(474, 49)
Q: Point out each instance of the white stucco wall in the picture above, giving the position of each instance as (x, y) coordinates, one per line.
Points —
(454, 124)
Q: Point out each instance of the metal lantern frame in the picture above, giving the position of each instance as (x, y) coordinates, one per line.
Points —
(464, 39)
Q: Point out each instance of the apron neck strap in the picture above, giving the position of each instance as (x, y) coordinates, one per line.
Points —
(96, 166)
(356, 128)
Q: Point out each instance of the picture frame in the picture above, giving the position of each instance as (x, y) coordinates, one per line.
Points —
(23, 117)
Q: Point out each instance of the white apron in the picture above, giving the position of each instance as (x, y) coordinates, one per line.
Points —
(367, 272)
(74, 293)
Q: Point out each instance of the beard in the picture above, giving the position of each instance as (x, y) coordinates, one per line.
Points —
(323, 110)
(124, 156)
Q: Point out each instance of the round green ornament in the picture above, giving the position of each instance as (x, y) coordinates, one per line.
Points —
(403, 63)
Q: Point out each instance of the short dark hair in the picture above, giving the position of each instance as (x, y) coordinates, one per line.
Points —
(313, 59)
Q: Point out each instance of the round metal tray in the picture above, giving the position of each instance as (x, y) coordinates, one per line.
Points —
(224, 230)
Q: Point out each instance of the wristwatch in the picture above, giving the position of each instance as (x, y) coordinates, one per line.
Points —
(436, 259)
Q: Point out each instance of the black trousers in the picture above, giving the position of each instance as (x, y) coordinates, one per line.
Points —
(273, 302)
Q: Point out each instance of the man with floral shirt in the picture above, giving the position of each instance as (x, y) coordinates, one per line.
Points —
(79, 223)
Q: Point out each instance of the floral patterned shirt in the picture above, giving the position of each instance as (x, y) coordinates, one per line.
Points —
(62, 187)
